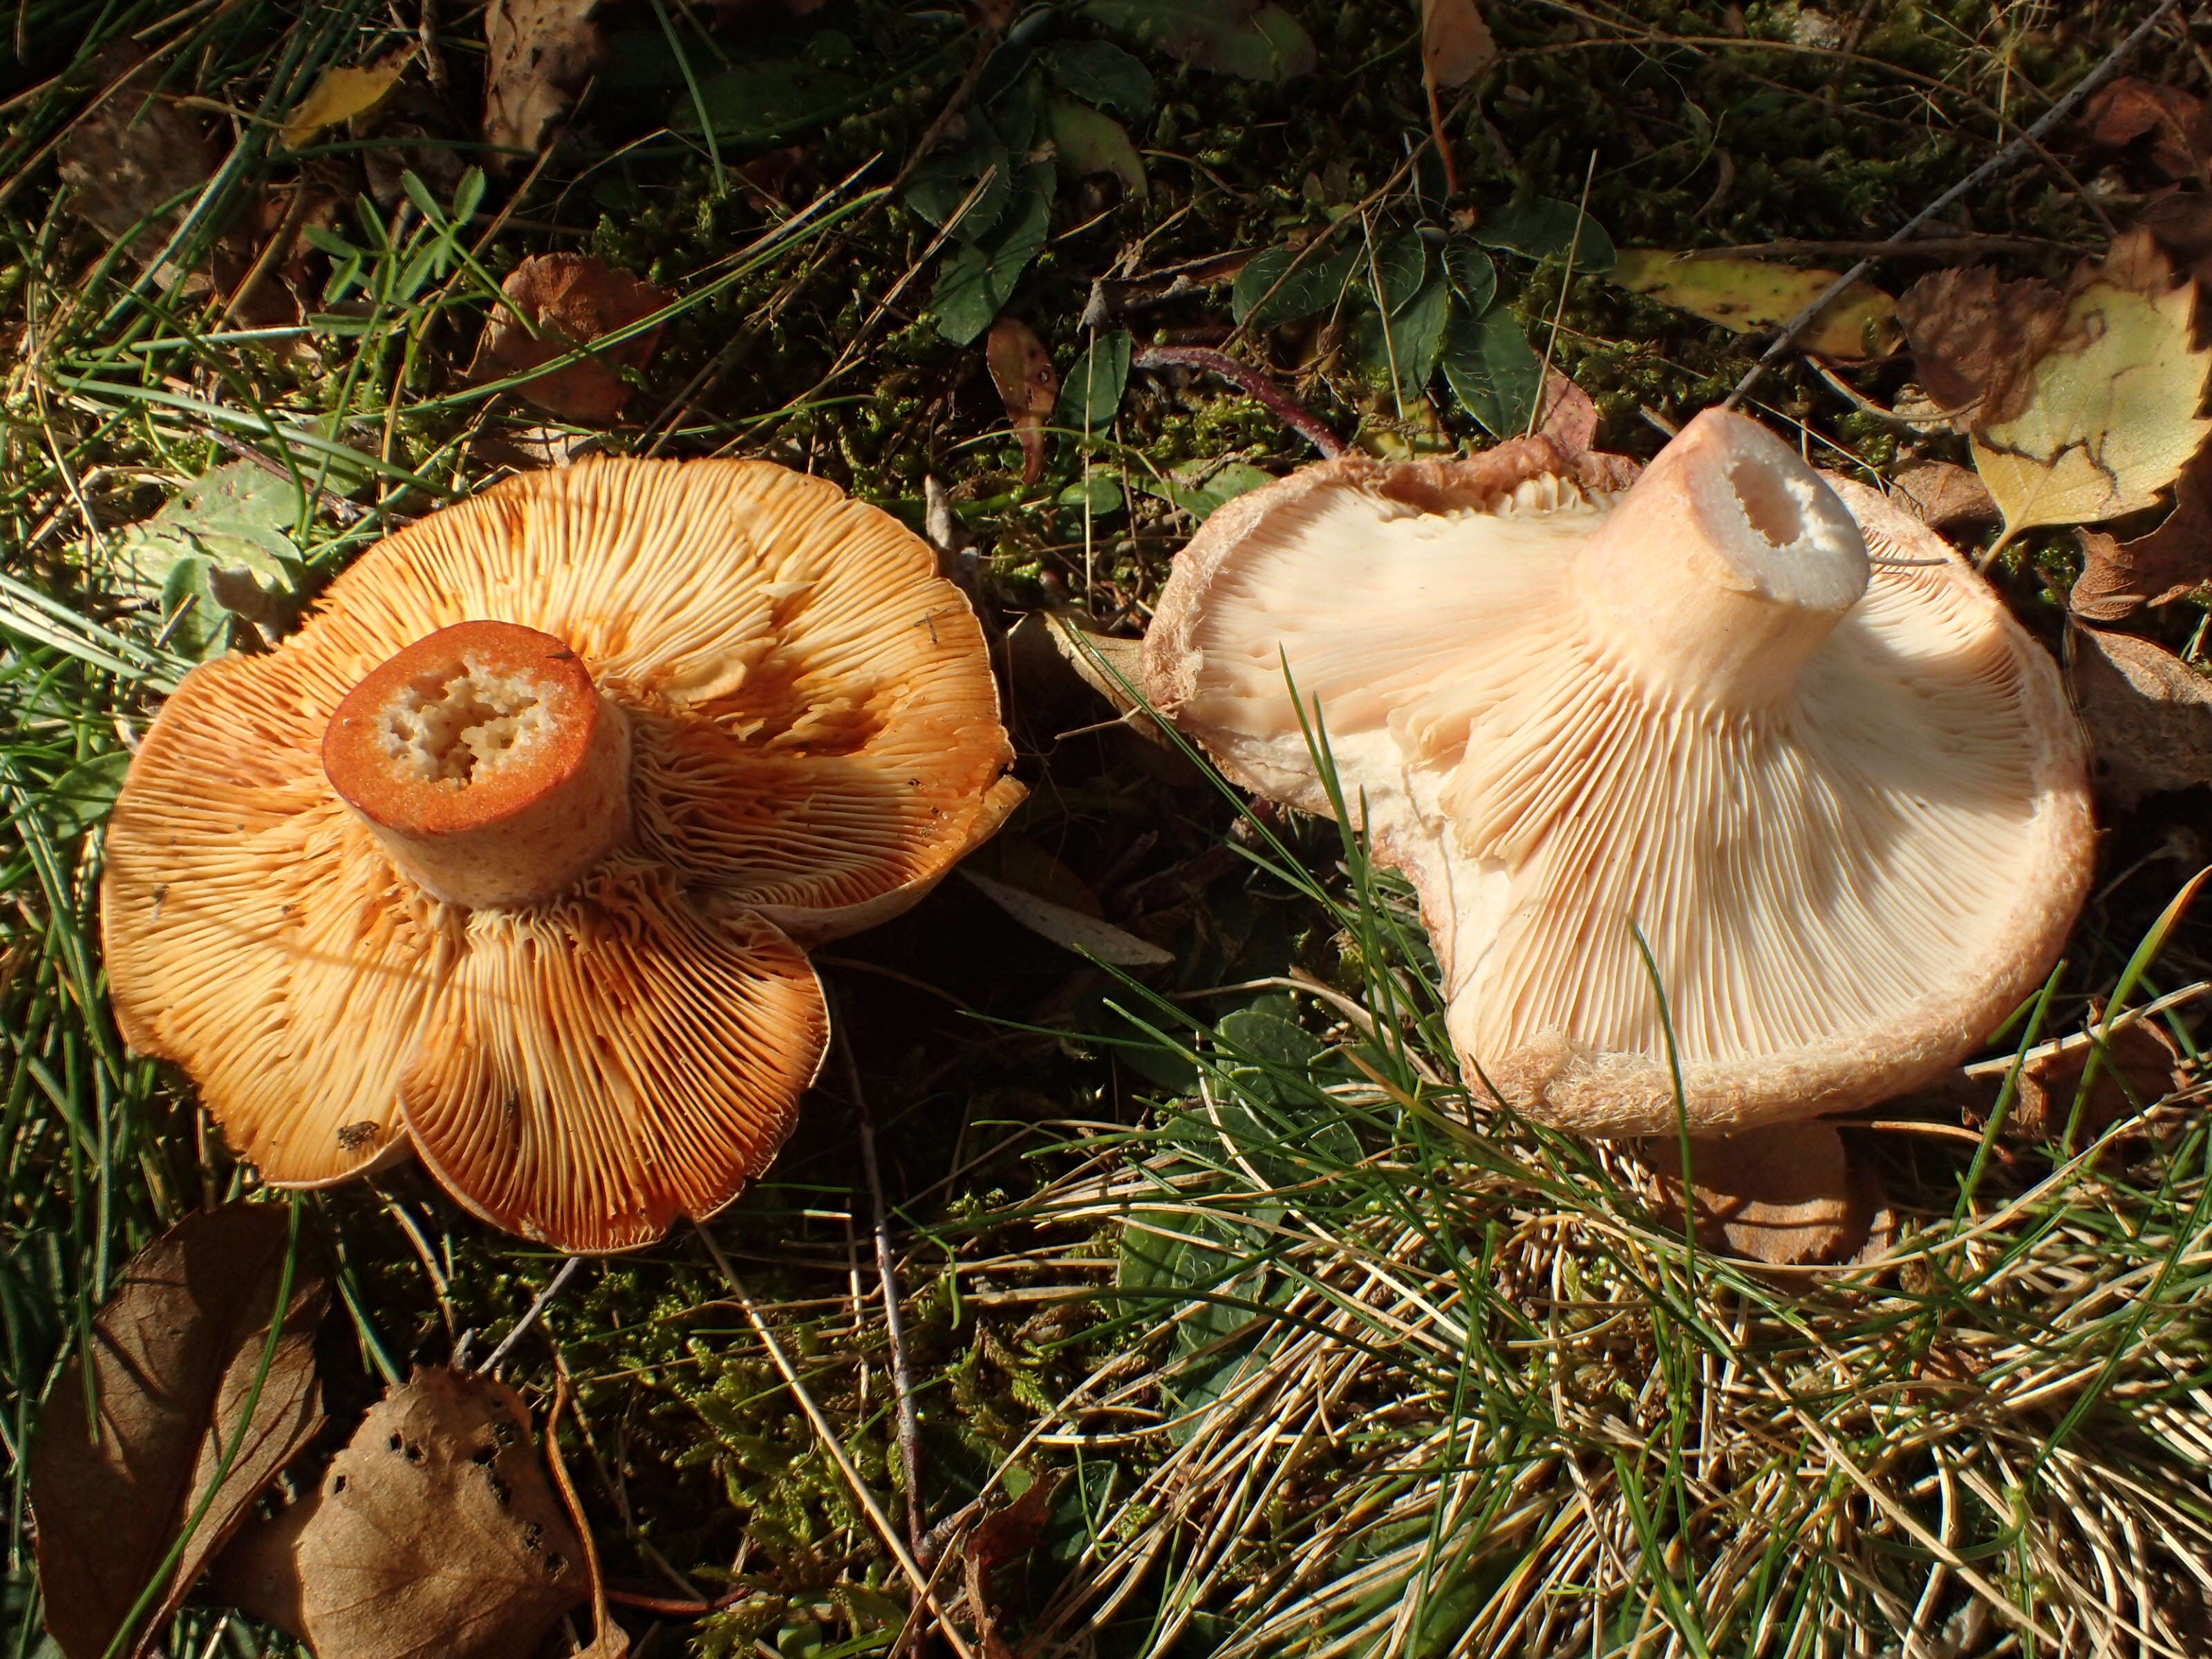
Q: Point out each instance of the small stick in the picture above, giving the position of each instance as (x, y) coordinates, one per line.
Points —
(2028, 141)
(1249, 380)
(923, 1583)
(530, 1315)
(2067, 1045)
(909, 1423)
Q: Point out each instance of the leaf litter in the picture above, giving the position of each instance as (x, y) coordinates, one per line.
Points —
(571, 299)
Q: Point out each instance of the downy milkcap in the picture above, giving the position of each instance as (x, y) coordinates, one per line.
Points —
(509, 855)
(1843, 802)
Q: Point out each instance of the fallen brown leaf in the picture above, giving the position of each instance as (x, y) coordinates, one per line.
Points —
(175, 1355)
(1021, 370)
(1972, 337)
(134, 158)
(1946, 497)
(2139, 1066)
(538, 53)
(2148, 713)
(2181, 222)
(1455, 42)
(1000, 1538)
(432, 1535)
(1786, 1195)
(2127, 109)
(574, 299)
(2174, 560)
(1568, 417)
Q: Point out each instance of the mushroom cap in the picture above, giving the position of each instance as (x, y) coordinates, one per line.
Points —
(1847, 874)
(815, 741)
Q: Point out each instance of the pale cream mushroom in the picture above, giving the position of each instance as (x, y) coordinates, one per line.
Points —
(509, 855)
(1846, 803)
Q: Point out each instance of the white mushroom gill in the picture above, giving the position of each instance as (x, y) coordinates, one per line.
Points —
(1842, 803)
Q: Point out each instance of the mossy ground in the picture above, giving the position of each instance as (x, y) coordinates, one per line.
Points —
(1690, 125)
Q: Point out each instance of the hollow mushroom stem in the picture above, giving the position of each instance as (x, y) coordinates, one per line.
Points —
(1723, 567)
(486, 762)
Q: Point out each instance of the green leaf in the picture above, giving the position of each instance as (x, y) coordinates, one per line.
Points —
(1099, 492)
(1473, 276)
(1401, 265)
(752, 103)
(1099, 72)
(1315, 286)
(1492, 371)
(941, 184)
(1090, 141)
(976, 279)
(238, 517)
(1543, 228)
(1091, 393)
(1409, 340)
(1199, 492)
(1261, 43)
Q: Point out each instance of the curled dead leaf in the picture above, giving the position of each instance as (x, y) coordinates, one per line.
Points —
(132, 163)
(1021, 370)
(2148, 713)
(2128, 108)
(539, 54)
(2134, 1067)
(2117, 578)
(573, 300)
(1456, 45)
(1787, 1195)
(432, 1535)
(999, 1540)
(176, 1355)
(1946, 497)
(1568, 417)
(1972, 336)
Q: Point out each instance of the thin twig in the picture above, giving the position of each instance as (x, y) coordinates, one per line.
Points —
(530, 1315)
(923, 1583)
(1247, 379)
(2067, 1045)
(2029, 141)
(909, 1423)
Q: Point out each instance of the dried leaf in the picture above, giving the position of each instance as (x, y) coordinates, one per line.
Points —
(574, 299)
(2139, 1065)
(343, 92)
(1750, 294)
(1946, 497)
(2107, 415)
(1000, 1538)
(2180, 221)
(1021, 370)
(2149, 716)
(1972, 337)
(538, 55)
(1455, 42)
(175, 1355)
(1785, 1195)
(1569, 417)
(136, 159)
(1067, 928)
(2127, 109)
(1098, 658)
(2173, 560)
(435, 1533)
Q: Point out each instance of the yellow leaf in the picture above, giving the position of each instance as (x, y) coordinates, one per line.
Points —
(2110, 417)
(1745, 295)
(343, 94)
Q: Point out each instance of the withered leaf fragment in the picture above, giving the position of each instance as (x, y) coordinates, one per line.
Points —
(1021, 370)
(2127, 109)
(2139, 1066)
(1456, 45)
(175, 1354)
(2149, 716)
(2118, 577)
(1973, 334)
(574, 299)
(344, 91)
(1787, 1195)
(134, 161)
(1750, 294)
(432, 1535)
(999, 1540)
(538, 55)
(1946, 497)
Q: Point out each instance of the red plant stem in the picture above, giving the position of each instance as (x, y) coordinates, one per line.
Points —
(1249, 380)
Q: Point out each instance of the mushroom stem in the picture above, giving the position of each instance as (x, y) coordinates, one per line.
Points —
(1723, 567)
(486, 763)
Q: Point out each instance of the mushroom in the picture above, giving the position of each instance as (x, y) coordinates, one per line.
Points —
(509, 855)
(1840, 798)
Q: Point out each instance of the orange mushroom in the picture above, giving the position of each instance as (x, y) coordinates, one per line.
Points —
(509, 855)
